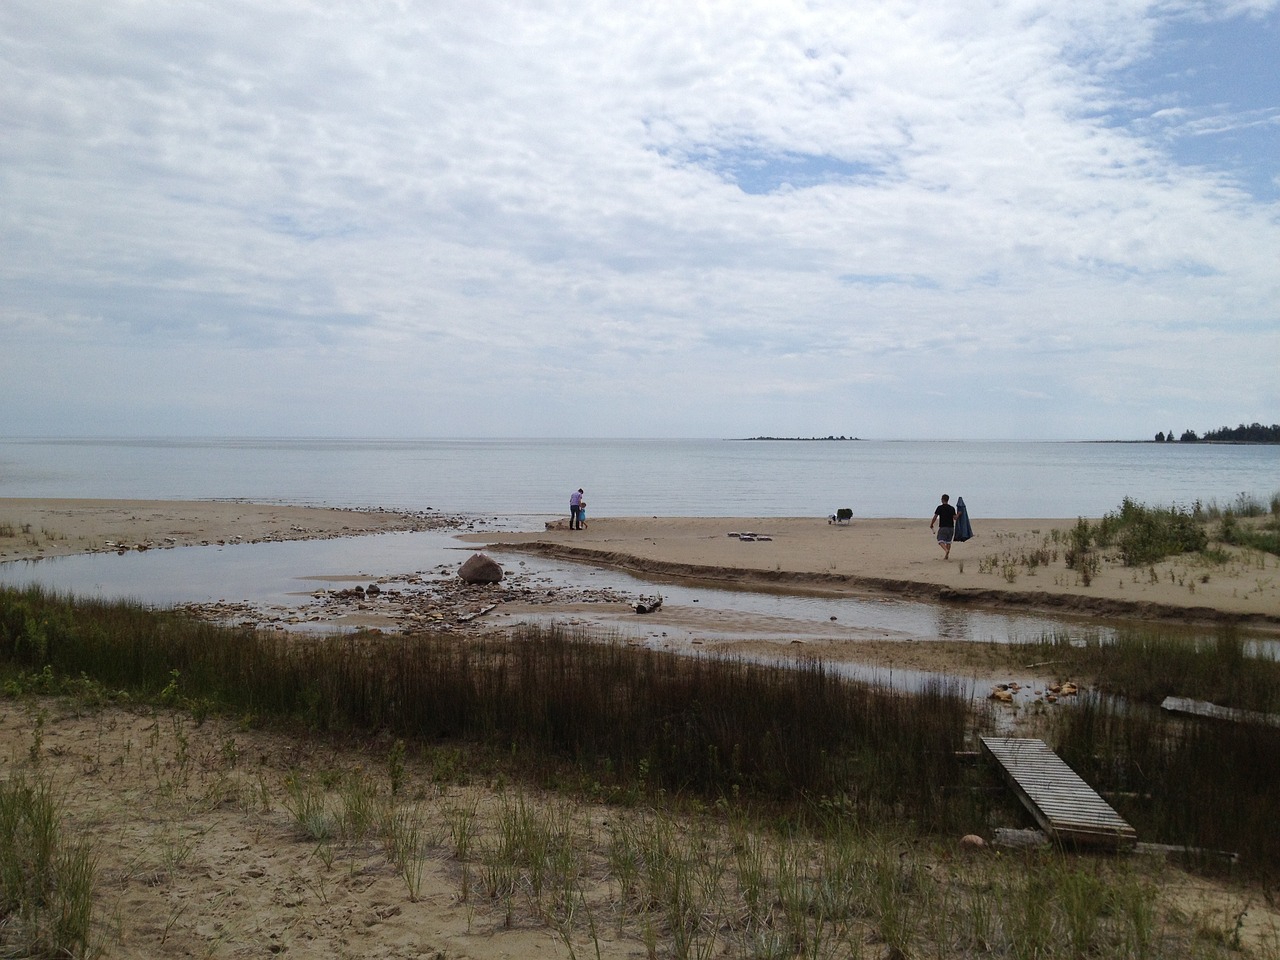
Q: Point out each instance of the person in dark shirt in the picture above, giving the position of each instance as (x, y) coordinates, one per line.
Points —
(944, 515)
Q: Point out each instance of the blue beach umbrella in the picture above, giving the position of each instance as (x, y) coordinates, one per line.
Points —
(963, 530)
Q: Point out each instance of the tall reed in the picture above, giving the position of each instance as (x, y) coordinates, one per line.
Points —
(702, 726)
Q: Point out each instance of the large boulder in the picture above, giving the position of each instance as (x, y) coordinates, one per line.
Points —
(480, 569)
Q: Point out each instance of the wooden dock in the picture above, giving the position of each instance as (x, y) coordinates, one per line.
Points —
(1066, 807)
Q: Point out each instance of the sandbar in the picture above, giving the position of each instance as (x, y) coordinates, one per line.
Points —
(1008, 563)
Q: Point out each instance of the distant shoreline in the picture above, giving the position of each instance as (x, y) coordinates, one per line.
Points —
(815, 439)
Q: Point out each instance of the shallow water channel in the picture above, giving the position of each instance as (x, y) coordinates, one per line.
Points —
(286, 578)
(287, 574)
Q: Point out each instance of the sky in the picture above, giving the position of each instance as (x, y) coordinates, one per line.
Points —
(1024, 219)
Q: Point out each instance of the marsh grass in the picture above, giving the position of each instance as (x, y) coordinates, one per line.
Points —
(1179, 780)
(703, 726)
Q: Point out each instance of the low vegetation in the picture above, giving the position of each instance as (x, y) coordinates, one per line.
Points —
(757, 810)
(1138, 536)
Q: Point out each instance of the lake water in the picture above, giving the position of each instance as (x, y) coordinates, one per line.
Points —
(516, 484)
(533, 478)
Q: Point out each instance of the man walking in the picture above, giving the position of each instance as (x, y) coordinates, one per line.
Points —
(944, 515)
(575, 510)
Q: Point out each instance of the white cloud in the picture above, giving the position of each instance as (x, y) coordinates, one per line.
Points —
(581, 212)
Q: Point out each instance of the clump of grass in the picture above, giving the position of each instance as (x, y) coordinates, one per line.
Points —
(1244, 505)
(1079, 555)
(46, 880)
(1264, 536)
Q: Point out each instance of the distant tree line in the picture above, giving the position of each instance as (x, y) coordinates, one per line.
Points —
(1253, 433)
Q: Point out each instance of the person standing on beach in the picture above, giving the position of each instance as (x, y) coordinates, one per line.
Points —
(944, 515)
(575, 510)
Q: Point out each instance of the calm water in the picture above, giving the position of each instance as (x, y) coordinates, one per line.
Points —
(533, 478)
(519, 482)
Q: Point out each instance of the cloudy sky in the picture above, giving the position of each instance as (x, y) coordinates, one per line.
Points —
(453, 218)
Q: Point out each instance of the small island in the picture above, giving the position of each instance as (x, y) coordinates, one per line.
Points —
(816, 439)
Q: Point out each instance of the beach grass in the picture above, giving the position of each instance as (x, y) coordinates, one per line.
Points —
(47, 877)
(755, 810)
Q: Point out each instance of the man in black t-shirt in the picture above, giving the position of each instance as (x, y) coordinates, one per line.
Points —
(944, 515)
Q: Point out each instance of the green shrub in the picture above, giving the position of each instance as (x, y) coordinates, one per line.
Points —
(1144, 535)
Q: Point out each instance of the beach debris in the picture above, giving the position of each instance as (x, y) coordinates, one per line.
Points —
(649, 606)
(479, 568)
(468, 617)
(1202, 708)
(1014, 838)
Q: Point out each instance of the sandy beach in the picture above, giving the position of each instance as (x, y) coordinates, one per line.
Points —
(1008, 563)
(200, 854)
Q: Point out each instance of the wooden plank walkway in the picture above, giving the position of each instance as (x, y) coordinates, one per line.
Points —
(1066, 807)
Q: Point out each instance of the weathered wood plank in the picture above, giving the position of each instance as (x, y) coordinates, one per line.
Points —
(1201, 708)
(1064, 806)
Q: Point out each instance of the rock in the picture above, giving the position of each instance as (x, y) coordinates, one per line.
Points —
(480, 569)
(373, 588)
